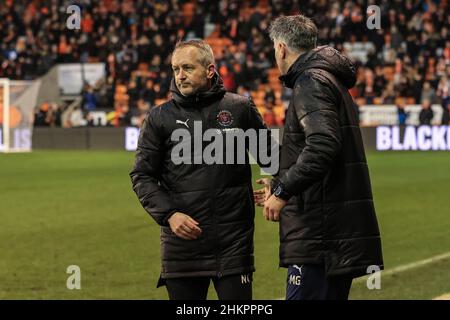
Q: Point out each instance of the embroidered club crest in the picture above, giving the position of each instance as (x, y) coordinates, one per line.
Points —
(224, 118)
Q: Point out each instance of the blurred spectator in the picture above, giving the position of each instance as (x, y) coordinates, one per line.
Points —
(402, 114)
(89, 101)
(426, 114)
(133, 93)
(41, 118)
(228, 79)
(164, 80)
(124, 116)
(48, 115)
(269, 96)
(56, 114)
(157, 91)
(243, 91)
(148, 94)
(269, 117)
(379, 81)
(142, 108)
(106, 93)
(428, 93)
(90, 120)
(389, 94)
(262, 65)
(446, 115)
(444, 91)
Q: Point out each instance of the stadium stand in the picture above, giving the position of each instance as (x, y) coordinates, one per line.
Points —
(407, 60)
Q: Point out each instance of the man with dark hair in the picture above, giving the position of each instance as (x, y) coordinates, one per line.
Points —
(205, 211)
(322, 195)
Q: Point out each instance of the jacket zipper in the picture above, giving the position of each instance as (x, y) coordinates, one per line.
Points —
(212, 199)
(205, 119)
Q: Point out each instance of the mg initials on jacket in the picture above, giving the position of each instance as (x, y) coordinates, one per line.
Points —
(295, 280)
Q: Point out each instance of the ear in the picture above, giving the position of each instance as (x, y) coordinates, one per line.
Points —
(282, 48)
(210, 71)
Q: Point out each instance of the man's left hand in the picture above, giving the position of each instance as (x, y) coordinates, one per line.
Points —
(272, 208)
(261, 195)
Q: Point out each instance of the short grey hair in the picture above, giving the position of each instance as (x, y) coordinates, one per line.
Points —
(206, 54)
(298, 32)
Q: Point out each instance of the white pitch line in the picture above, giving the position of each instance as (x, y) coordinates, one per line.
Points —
(409, 266)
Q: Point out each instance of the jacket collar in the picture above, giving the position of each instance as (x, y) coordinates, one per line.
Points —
(322, 58)
(297, 68)
(200, 99)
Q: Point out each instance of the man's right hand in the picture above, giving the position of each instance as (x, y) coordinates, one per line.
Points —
(184, 226)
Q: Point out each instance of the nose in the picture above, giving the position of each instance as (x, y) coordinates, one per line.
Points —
(181, 75)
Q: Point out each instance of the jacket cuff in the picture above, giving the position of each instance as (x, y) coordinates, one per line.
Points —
(287, 188)
(167, 217)
(279, 191)
(274, 182)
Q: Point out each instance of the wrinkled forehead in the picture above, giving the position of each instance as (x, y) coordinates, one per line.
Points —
(186, 55)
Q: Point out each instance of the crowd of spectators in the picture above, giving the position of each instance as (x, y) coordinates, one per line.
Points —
(406, 60)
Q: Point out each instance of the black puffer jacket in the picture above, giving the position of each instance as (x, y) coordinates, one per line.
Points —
(219, 197)
(330, 218)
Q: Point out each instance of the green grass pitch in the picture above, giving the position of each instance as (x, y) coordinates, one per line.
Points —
(61, 208)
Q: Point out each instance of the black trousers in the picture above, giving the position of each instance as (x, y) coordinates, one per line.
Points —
(233, 287)
(309, 282)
